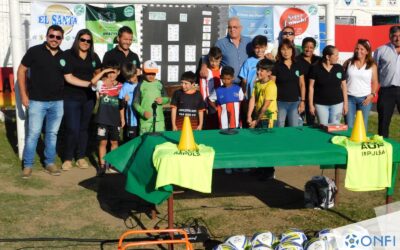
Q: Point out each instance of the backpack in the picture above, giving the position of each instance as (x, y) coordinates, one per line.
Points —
(319, 193)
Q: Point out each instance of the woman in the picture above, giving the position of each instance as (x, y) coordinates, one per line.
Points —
(362, 81)
(81, 62)
(306, 59)
(289, 80)
(327, 89)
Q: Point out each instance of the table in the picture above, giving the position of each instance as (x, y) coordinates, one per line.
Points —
(250, 148)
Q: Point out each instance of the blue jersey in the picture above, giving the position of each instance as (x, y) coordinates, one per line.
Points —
(231, 94)
(128, 89)
(249, 73)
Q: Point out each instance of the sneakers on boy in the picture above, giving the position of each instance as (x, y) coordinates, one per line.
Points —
(26, 173)
(101, 171)
(67, 165)
(82, 164)
(52, 169)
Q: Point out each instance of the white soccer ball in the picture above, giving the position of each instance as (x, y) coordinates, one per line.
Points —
(329, 237)
(261, 247)
(294, 235)
(264, 238)
(315, 244)
(288, 245)
(239, 242)
(224, 247)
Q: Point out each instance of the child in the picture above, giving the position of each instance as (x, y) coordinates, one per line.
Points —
(150, 91)
(108, 116)
(187, 102)
(213, 81)
(128, 114)
(263, 97)
(226, 99)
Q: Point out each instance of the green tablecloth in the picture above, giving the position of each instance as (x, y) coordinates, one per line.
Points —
(294, 146)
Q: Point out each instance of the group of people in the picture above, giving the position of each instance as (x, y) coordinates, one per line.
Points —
(238, 84)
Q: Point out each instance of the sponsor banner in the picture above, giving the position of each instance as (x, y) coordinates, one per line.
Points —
(105, 22)
(71, 17)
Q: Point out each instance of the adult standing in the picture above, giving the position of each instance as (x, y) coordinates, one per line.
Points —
(328, 90)
(387, 58)
(362, 81)
(288, 33)
(43, 97)
(235, 49)
(122, 52)
(81, 62)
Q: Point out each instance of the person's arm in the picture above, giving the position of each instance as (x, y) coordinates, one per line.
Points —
(344, 92)
(201, 119)
(374, 85)
(98, 76)
(73, 80)
(173, 118)
(122, 109)
(311, 96)
(212, 99)
(21, 74)
(137, 100)
(263, 109)
(302, 94)
(163, 99)
(250, 110)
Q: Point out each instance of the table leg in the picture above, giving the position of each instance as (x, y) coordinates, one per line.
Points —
(390, 190)
(337, 179)
(170, 209)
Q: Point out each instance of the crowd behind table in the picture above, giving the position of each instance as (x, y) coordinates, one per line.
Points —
(238, 85)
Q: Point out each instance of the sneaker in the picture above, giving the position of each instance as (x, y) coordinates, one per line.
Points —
(67, 165)
(26, 173)
(111, 170)
(82, 164)
(52, 169)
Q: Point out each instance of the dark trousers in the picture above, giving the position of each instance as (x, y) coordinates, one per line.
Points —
(389, 97)
(77, 115)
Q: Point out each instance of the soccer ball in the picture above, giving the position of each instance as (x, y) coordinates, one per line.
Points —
(288, 245)
(315, 244)
(224, 247)
(294, 235)
(239, 242)
(264, 238)
(329, 237)
(261, 247)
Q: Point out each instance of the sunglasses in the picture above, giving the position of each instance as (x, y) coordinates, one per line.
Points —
(288, 33)
(85, 40)
(51, 36)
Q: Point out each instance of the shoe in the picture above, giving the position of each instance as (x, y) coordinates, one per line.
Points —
(82, 164)
(67, 165)
(101, 171)
(52, 169)
(26, 173)
(112, 170)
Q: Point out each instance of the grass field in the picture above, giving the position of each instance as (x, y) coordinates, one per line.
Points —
(92, 210)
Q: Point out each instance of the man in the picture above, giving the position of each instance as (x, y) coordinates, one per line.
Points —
(387, 58)
(43, 97)
(235, 49)
(287, 32)
(122, 53)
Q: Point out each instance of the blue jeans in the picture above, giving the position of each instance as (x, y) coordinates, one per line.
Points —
(38, 111)
(77, 115)
(329, 114)
(289, 110)
(355, 103)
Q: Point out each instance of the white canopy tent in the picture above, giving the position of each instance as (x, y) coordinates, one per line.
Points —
(17, 38)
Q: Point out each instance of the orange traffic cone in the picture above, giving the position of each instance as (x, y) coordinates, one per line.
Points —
(186, 142)
(358, 134)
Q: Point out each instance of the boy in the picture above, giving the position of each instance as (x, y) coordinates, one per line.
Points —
(150, 91)
(213, 81)
(128, 114)
(226, 100)
(108, 116)
(263, 97)
(187, 102)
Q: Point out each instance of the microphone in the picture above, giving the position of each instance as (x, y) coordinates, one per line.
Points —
(154, 107)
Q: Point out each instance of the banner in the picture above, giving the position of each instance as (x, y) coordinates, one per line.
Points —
(71, 17)
(105, 22)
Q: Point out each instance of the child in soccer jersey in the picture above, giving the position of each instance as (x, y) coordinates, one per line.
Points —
(226, 100)
(150, 91)
(126, 95)
(263, 110)
(108, 115)
(187, 102)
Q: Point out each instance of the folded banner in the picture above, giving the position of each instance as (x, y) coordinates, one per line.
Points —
(369, 164)
(188, 169)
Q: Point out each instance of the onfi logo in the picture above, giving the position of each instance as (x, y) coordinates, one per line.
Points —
(351, 241)
(354, 241)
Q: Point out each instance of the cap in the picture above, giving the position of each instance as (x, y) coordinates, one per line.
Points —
(150, 67)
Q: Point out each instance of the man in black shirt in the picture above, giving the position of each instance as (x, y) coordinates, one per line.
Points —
(42, 96)
(122, 53)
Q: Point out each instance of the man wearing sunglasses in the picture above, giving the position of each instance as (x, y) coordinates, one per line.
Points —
(42, 96)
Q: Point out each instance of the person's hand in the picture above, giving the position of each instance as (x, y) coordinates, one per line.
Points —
(199, 127)
(345, 109)
(301, 107)
(203, 71)
(253, 124)
(127, 98)
(123, 123)
(174, 127)
(367, 100)
(312, 110)
(269, 56)
(147, 115)
(158, 100)
(25, 101)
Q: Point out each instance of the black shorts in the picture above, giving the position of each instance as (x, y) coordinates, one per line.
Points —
(107, 132)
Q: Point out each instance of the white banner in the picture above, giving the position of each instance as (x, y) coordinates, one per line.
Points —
(71, 17)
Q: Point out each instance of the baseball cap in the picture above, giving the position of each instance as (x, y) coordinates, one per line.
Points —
(150, 67)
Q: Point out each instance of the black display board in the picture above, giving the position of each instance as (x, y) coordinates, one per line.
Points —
(176, 36)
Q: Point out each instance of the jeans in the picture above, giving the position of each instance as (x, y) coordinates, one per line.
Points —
(77, 115)
(38, 111)
(355, 103)
(389, 97)
(329, 114)
(289, 110)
